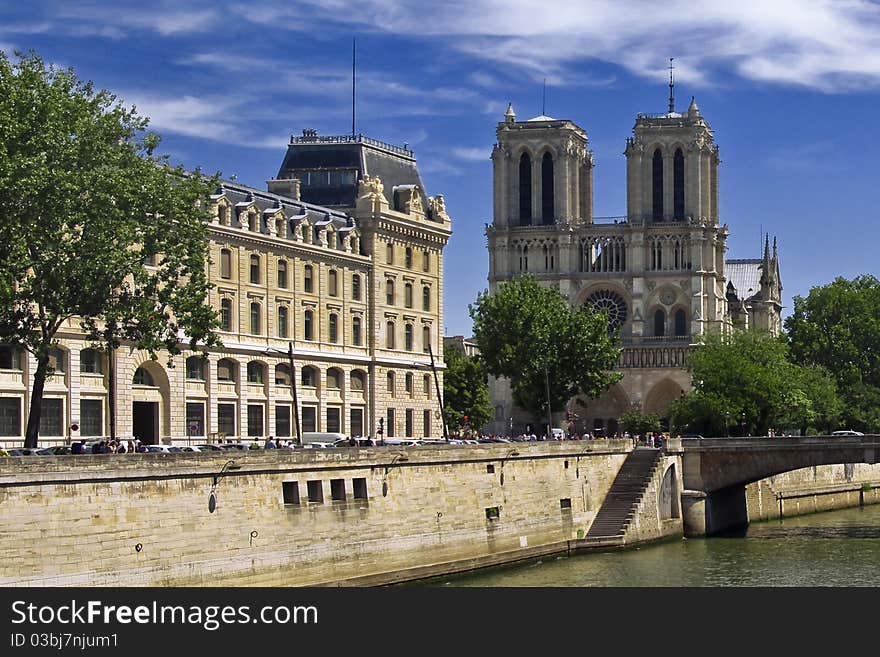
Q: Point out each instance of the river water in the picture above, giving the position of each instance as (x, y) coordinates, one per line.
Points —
(834, 548)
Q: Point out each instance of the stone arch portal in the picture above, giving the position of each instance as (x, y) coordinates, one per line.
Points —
(599, 416)
(661, 395)
(150, 407)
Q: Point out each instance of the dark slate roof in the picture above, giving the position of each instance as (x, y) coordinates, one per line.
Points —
(369, 157)
(744, 274)
(241, 194)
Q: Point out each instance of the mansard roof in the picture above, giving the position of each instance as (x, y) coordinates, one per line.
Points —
(269, 203)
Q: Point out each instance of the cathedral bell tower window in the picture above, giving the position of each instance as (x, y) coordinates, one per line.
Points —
(657, 185)
(678, 185)
(548, 210)
(525, 190)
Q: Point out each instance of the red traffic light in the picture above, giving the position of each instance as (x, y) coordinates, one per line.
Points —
(465, 418)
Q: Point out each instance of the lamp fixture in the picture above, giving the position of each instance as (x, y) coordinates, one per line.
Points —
(229, 466)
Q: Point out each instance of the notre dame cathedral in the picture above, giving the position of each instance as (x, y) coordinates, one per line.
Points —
(659, 272)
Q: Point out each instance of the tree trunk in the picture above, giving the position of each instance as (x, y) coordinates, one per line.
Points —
(111, 398)
(33, 425)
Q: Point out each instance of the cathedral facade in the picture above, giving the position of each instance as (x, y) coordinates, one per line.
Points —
(659, 271)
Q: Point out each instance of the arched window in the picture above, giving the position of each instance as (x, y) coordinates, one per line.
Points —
(282, 374)
(547, 191)
(195, 368)
(334, 327)
(525, 190)
(256, 372)
(407, 257)
(225, 263)
(390, 383)
(142, 378)
(309, 377)
(356, 331)
(659, 323)
(356, 287)
(678, 185)
(389, 253)
(389, 335)
(407, 295)
(408, 382)
(426, 338)
(57, 360)
(426, 298)
(308, 328)
(334, 379)
(282, 322)
(358, 381)
(389, 292)
(226, 370)
(657, 185)
(408, 337)
(332, 289)
(255, 269)
(307, 278)
(255, 318)
(90, 361)
(282, 274)
(226, 314)
(426, 385)
(680, 322)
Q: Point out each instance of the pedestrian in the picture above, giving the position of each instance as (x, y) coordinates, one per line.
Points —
(270, 443)
(130, 446)
(352, 442)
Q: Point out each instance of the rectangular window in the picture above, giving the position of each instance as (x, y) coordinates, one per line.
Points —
(255, 419)
(565, 503)
(309, 418)
(316, 491)
(493, 513)
(10, 416)
(226, 419)
(195, 419)
(426, 423)
(337, 489)
(359, 487)
(333, 420)
(389, 423)
(91, 420)
(290, 490)
(282, 421)
(356, 423)
(409, 423)
(51, 418)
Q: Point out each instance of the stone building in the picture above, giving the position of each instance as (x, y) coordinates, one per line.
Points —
(340, 261)
(659, 271)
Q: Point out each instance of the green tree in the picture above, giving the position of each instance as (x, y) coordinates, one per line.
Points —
(532, 335)
(85, 203)
(465, 391)
(837, 326)
(639, 423)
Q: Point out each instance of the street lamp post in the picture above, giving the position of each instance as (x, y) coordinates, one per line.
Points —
(292, 388)
(744, 423)
(727, 422)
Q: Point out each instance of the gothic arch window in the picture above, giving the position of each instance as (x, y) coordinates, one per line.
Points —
(678, 185)
(657, 185)
(525, 190)
(547, 206)
(659, 323)
(610, 303)
(680, 322)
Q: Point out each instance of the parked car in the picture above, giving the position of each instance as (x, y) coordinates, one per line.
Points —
(208, 448)
(22, 451)
(54, 450)
(163, 449)
(847, 432)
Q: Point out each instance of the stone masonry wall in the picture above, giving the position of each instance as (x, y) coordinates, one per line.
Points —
(143, 519)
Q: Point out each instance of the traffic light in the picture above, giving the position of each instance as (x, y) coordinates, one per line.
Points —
(465, 418)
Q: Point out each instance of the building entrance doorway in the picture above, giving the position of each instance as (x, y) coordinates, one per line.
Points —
(145, 422)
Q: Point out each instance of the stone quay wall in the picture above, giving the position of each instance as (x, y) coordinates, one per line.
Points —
(809, 490)
(295, 518)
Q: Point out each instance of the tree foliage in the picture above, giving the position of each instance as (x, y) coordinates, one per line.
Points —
(744, 382)
(837, 326)
(638, 423)
(465, 391)
(533, 336)
(84, 203)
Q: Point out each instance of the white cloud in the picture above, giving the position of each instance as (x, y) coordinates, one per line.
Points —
(823, 44)
(469, 154)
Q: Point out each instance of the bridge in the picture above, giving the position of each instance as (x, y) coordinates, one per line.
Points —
(715, 471)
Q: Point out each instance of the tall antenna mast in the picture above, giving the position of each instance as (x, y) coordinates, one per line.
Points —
(544, 99)
(671, 88)
(353, 60)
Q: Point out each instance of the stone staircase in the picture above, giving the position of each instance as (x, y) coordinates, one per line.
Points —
(623, 498)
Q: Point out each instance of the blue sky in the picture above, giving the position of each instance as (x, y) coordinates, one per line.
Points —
(791, 89)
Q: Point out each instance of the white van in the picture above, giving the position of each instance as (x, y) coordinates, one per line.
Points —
(557, 434)
(321, 439)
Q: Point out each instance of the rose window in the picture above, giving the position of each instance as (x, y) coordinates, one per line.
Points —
(612, 304)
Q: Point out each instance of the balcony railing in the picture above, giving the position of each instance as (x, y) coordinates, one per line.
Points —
(312, 137)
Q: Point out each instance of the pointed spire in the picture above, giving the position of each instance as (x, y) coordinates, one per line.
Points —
(693, 110)
(767, 249)
(509, 115)
(671, 88)
(775, 254)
